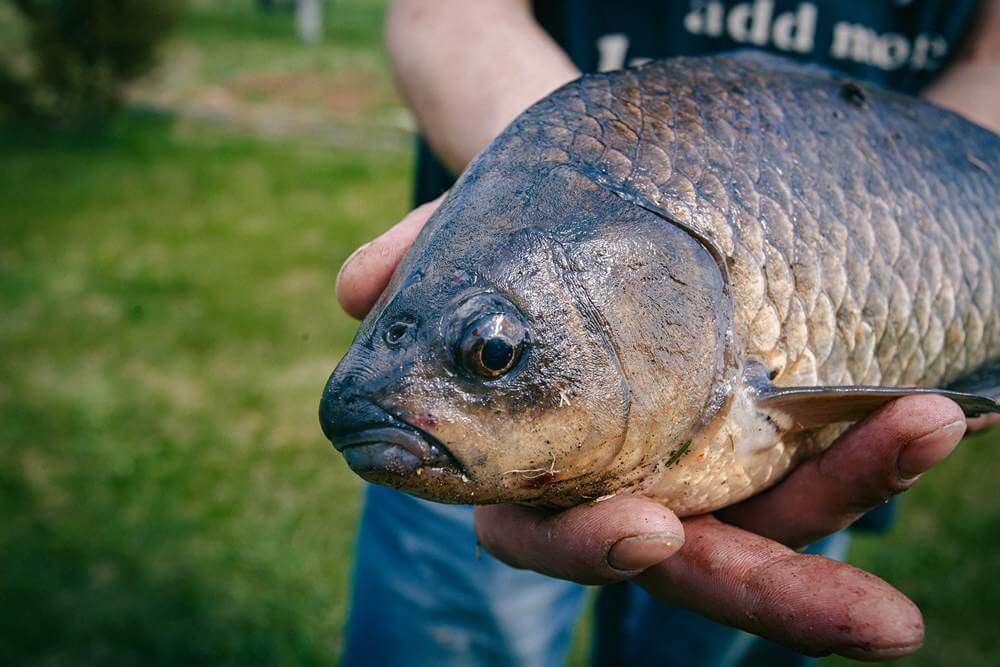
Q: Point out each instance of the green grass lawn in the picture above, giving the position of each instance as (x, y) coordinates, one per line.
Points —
(168, 325)
(168, 322)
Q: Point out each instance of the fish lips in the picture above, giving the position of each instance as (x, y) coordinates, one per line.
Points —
(396, 455)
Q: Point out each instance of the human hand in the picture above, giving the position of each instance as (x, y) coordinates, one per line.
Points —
(983, 422)
(367, 270)
(738, 566)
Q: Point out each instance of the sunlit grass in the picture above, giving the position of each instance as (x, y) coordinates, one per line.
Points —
(229, 59)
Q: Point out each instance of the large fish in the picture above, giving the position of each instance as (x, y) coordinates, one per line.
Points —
(679, 281)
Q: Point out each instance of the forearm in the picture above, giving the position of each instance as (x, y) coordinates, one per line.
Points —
(971, 86)
(468, 68)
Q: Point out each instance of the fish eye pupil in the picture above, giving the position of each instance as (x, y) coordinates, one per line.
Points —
(496, 354)
(491, 345)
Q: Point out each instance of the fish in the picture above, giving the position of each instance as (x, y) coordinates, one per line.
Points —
(679, 281)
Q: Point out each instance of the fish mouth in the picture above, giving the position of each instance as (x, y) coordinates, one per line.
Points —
(393, 450)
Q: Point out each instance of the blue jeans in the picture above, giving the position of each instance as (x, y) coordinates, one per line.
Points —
(423, 596)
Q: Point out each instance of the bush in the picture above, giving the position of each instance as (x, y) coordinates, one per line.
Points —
(80, 54)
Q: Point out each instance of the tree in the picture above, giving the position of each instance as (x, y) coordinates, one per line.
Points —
(81, 54)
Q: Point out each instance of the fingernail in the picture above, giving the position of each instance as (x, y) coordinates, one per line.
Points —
(350, 257)
(921, 454)
(870, 654)
(641, 551)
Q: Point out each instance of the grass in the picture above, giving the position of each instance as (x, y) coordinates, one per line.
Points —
(945, 554)
(245, 64)
(168, 323)
(168, 326)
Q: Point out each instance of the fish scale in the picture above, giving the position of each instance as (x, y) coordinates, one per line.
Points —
(940, 229)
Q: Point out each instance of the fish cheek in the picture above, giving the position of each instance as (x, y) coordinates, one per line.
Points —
(569, 408)
(662, 297)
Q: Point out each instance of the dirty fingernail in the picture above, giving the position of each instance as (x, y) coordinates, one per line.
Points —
(921, 454)
(641, 551)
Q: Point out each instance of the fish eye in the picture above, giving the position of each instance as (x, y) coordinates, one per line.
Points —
(492, 345)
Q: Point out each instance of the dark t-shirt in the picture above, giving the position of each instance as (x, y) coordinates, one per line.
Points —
(899, 44)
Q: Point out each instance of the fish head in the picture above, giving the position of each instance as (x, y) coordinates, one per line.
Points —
(501, 363)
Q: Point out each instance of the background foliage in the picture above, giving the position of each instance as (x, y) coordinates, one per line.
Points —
(168, 323)
(77, 56)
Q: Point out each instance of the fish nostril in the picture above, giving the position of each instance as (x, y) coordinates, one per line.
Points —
(396, 332)
(400, 331)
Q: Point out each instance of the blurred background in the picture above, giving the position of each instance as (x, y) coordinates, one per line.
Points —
(179, 183)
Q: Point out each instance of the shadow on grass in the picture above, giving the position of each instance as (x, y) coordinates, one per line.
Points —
(128, 125)
(124, 561)
(65, 602)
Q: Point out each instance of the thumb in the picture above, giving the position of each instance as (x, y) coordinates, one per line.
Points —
(590, 544)
(368, 269)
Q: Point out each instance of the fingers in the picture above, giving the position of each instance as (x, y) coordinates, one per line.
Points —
(983, 422)
(809, 603)
(873, 461)
(367, 271)
(590, 544)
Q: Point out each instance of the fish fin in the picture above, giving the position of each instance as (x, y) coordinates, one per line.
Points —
(985, 382)
(797, 408)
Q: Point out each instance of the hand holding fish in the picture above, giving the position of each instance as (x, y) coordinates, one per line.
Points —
(737, 566)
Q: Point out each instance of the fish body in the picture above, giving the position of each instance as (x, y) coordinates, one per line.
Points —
(678, 280)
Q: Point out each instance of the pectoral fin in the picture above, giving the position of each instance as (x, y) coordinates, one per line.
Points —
(808, 407)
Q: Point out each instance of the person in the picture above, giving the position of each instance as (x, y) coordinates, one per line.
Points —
(422, 596)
